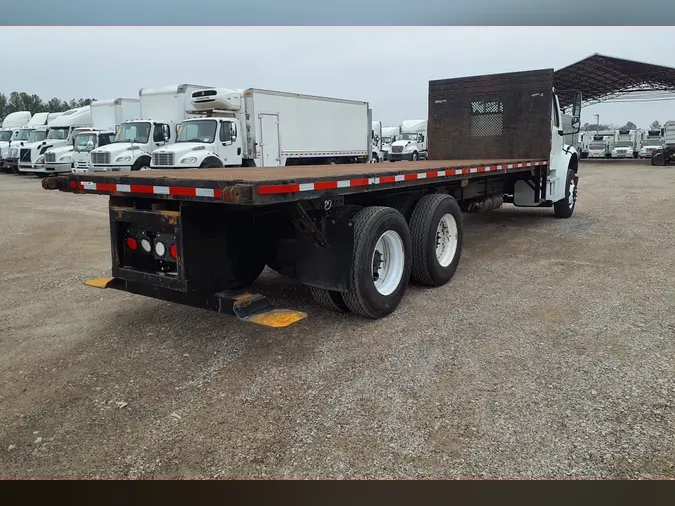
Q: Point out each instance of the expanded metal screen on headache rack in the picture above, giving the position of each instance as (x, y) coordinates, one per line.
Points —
(493, 116)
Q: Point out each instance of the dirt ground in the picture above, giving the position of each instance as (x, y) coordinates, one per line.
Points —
(550, 354)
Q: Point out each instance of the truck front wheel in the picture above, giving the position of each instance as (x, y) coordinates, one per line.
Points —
(381, 262)
(141, 164)
(415, 156)
(211, 163)
(565, 207)
(437, 233)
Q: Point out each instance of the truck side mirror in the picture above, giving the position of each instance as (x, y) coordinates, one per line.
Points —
(90, 145)
(576, 110)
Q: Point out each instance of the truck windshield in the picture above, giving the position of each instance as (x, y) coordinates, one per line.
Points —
(133, 132)
(623, 144)
(197, 131)
(24, 134)
(388, 140)
(5, 135)
(597, 145)
(37, 136)
(58, 133)
(652, 142)
(82, 140)
(408, 137)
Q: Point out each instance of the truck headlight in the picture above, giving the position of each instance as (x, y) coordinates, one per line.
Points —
(40, 159)
(66, 158)
(123, 159)
(189, 159)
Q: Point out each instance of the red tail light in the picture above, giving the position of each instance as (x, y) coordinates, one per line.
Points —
(174, 251)
(131, 243)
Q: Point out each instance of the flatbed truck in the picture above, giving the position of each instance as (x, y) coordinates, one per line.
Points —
(355, 234)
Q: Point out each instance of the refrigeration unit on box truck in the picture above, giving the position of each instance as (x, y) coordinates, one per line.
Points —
(261, 128)
(162, 110)
(354, 234)
(106, 116)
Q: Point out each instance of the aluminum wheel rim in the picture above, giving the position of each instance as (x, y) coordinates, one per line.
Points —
(387, 262)
(446, 240)
(570, 198)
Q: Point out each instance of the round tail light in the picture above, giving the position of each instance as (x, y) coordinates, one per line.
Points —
(173, 251)
(131, 243)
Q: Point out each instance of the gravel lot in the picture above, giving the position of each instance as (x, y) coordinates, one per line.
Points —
(550, 354)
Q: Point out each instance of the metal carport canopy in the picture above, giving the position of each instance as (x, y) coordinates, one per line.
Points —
(603, 78)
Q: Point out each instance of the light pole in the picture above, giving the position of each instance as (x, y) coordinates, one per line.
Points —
(597, 123)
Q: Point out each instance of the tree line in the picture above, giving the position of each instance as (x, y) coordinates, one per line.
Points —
(20, 101)
(592, 127)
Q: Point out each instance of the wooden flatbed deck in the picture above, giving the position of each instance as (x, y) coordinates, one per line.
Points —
(263, 185)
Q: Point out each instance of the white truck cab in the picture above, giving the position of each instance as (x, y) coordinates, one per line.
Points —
(653, 141)
(162, 109)
(57, 133)
(84, 143)
(61, 159)
(411, 143)
(390, 135)
(11, 125)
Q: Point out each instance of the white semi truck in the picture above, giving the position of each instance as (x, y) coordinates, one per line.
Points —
(11, 163)
(11, 126)
(390, 135)
(161, 111)
(106, 116)
(412, 143)
(58, 133)
(261, 128)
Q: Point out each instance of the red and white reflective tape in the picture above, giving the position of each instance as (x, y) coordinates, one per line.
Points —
(406, 176)
(183, 191)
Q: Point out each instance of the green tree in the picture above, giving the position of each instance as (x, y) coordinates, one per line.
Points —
(629, 126)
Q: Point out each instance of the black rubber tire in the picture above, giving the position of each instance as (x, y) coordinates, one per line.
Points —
(423, 225)
(658, 159)
(211, 163)
(329, 299)
(362, 297)
(140, 163)
(415, 156)
(562, 208)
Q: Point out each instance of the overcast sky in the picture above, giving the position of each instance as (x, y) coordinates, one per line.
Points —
(389, 66)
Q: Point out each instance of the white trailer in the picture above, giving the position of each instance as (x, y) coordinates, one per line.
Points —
(59, 131)
(261, 128)
(390, 135)
(162, 109)
(106, 116)
(412, 143)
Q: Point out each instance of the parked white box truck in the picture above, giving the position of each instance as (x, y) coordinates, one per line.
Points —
(58, 133)
(626, 143)
(11, 126)
(412, 143)
(162, 109)
(390, 134)
(261, 128)
(106, 116)
(653, 141)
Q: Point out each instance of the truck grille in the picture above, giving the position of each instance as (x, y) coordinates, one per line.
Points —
(25, 155)
(397, 149)
(162, 158)
(100, 158)
(50, 158)
(81, 165)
